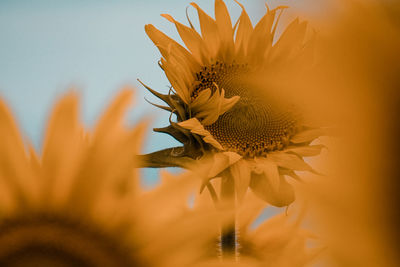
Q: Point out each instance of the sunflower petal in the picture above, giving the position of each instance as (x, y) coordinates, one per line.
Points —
(113, 139)
(114, 114)
(222, 161)
(261, 37)
(289, 161)
(306, 151)
(209, 111)
(192, 40)
(176, 82)
(290, 173)
(249, 210)
(181, 70)
(307, 136)
(15, 172)
(260, 185)
(64, 133)
(243, 33)
(211, 140)
(270, 170)
(241, 174)
(228, 103)
(196, 127)
(201, 99)
(290, 42)
(162, 40)
(224, 25)
(209, 30)
(232, 157)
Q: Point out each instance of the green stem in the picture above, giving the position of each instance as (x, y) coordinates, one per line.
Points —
(228, 228)
(170, 157)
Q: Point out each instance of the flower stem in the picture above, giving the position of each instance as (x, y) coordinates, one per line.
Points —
(228, 227)
(164, 158)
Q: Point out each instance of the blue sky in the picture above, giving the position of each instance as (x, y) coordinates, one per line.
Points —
(95, 47)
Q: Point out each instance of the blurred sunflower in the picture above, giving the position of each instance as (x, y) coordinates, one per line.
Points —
(224, 108)
(79, 203)
(277, 241)
(280, 240)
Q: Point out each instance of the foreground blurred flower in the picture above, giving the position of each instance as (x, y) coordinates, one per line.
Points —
(222, 104)
(80, 205)
(356, 209)
(277, 241)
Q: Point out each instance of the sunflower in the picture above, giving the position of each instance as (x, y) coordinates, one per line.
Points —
(277, 241)
(281, 240)
(223, 106)
(79, 203)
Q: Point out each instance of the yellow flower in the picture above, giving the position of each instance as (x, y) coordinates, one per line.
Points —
(221, 104)
(280, 240)
(79, 203)
(277, 241)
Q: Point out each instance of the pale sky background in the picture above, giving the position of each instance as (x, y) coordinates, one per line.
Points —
(95, 46)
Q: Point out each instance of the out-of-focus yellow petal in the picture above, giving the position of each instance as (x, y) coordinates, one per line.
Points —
(15, 168)
(64, 133)
(101, 219)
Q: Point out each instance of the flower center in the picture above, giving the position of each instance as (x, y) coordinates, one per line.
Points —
(254, 126)
(41, 240)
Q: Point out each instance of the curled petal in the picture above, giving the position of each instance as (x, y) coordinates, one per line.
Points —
(196, 127)
(208, 110)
